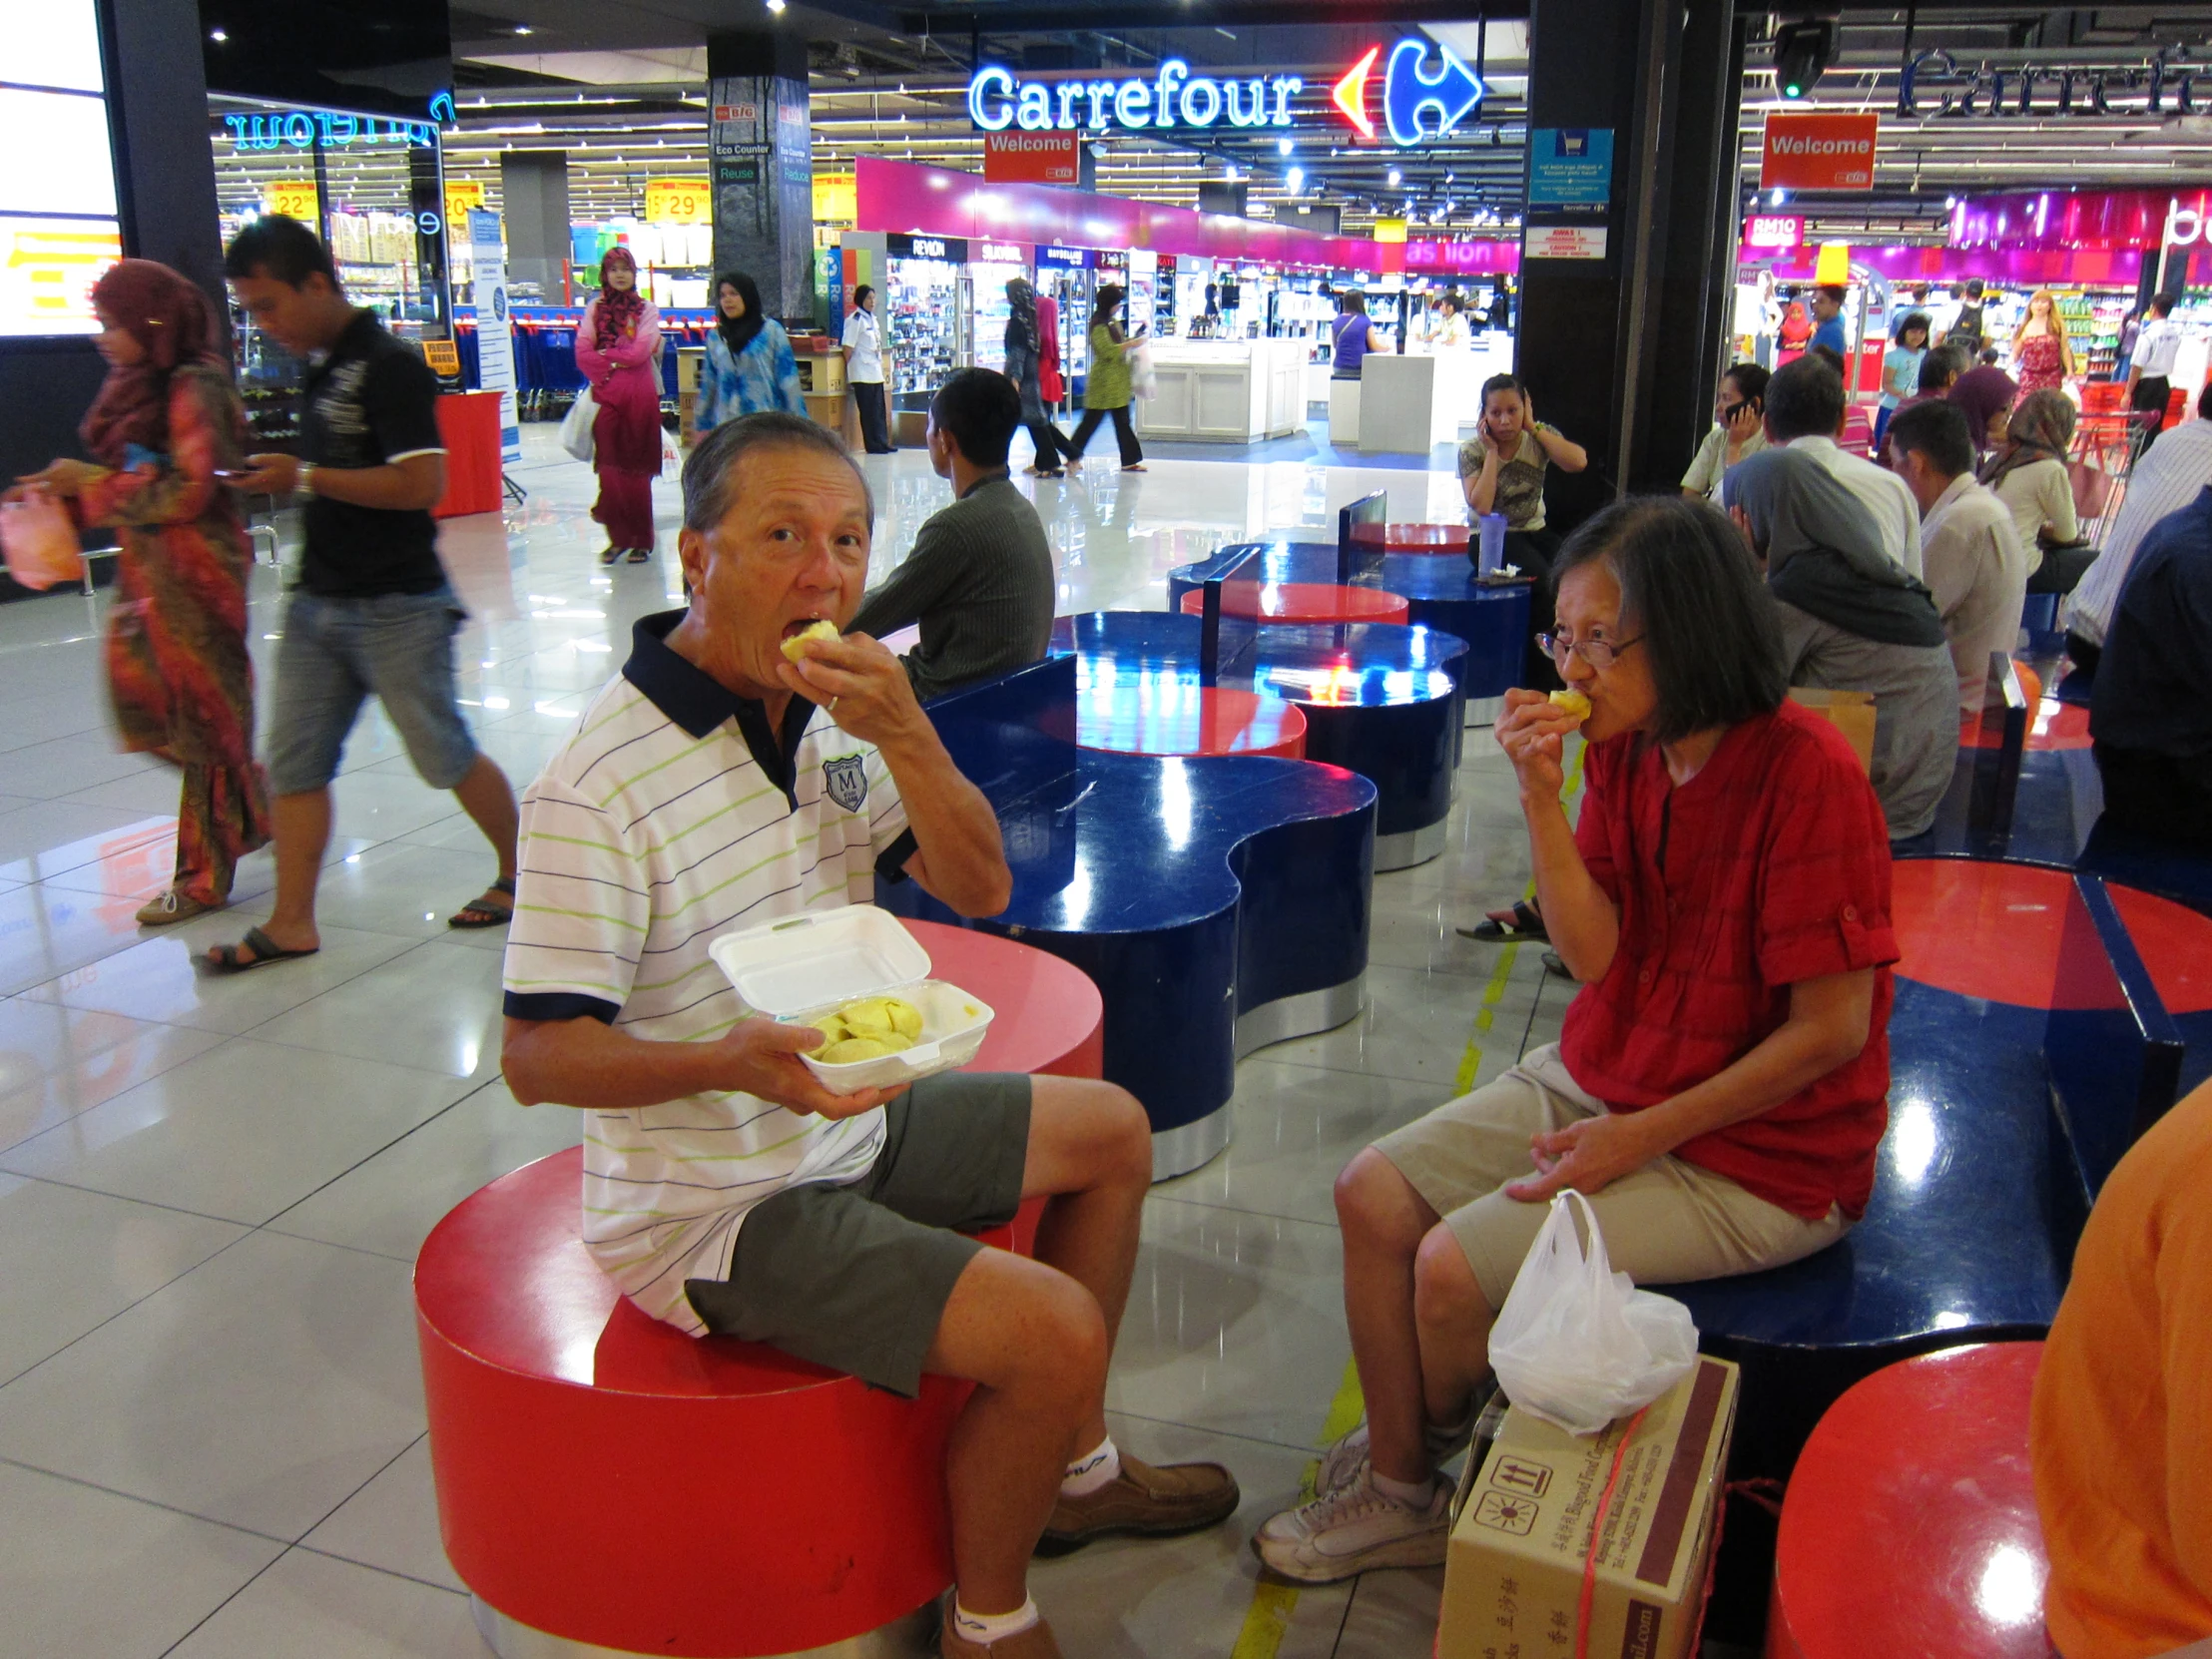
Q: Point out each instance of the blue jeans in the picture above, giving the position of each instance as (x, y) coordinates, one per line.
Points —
(335, 654)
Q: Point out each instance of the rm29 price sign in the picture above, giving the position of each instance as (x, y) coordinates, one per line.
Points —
(678, 202)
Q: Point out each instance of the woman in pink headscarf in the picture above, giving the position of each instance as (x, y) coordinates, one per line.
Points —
(165, 425)
(619, 349)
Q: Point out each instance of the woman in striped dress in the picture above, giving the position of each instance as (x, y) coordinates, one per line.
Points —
(166, 424)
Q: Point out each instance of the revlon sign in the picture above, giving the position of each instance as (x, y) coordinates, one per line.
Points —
(1819, 152)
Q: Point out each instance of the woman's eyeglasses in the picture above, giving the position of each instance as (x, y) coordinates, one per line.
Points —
(1600, 654)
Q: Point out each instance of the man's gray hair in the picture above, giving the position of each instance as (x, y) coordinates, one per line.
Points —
(711, 472)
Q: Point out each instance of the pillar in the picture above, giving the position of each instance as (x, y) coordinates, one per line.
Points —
(533, 196)
(762, 144)
(1624, 300)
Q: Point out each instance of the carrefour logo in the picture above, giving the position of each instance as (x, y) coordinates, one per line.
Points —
(1419, 102)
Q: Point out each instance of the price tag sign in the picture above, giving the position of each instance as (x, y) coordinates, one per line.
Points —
(460, 195)
(293, 197)
(678, 202)
(444, 356)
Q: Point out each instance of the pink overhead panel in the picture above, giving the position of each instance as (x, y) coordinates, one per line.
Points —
(2061, 221)
(936, 202)
(2020, 266)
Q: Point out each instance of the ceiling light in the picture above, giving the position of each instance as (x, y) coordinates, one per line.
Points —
(218, 36)
(1281, 147)
(1394, 175)
(524, 29)
(1294, 180)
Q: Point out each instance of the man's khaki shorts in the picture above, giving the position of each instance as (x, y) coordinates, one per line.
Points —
(1668, 1223)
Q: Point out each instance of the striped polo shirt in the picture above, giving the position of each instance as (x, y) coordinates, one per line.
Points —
(672, 816)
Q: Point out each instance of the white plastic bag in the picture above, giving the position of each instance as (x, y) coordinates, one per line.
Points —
(1576, 1343)
(576, 435)
(1142, 382)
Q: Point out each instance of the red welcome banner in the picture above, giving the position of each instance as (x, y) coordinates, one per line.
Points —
(1819, 152)
(1031, 158)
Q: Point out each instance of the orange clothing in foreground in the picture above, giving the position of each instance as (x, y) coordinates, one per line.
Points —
(2122, 1435)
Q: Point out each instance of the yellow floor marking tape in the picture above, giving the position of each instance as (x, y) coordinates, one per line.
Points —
(1274, 1600)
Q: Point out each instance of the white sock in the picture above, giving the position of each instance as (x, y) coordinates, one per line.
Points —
(1100, 1466)
(985, 1629)
(1413, 1494)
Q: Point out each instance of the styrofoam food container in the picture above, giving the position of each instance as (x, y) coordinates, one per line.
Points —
(813, 964)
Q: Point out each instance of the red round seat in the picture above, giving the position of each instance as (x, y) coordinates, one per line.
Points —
(1910, 1525)
(1424, 538)
(1300, 602)
(1184, 718)
(605, 1479)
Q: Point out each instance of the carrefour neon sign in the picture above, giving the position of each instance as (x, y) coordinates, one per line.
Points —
(1174, 96)
(1417, 102)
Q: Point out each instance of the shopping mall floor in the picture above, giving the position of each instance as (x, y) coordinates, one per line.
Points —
(212, 1434)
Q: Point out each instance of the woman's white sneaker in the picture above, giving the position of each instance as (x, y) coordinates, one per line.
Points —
(1354, 1530)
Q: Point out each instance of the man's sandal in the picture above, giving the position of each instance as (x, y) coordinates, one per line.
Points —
(1527, 923)
(231, 958)
(495, 908)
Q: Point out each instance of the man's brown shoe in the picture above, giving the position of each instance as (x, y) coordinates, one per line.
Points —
(1035, 1643)
(1182, 1497)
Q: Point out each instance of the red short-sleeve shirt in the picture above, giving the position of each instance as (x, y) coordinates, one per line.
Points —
(1776, 870)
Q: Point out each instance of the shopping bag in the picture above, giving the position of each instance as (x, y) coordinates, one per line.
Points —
(38, 541)
(576, 435)
(1576, 1343)
(1142, 382)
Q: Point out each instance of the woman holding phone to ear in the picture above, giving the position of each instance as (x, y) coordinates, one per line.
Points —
(1501, 470)
(1739, 431)
(166, 430)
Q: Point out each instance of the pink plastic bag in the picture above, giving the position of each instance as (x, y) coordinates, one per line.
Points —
(40, 542)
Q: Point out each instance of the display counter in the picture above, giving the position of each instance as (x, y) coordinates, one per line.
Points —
(1409, 404)
(1225, 392)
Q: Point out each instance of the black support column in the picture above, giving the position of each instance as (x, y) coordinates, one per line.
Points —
(1621, 351)
(763, 160)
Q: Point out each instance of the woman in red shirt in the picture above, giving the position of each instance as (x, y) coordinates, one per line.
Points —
(1720, 1085)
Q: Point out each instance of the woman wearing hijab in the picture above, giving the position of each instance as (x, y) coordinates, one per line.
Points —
(2029, 473)
(750, 366)
(1106, 389)
(1852, 620)
(1022, 367)
(165, 425)
(619, 349)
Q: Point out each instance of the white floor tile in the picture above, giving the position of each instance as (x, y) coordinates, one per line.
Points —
(46, 933)
(310, 1604)
(56, 1061)
(167, 978)
(260, 1390)
(242, 1132)
(88, 1573)
(392, 1523)
(70, 1260)
(435, 1009)
(389, 1203)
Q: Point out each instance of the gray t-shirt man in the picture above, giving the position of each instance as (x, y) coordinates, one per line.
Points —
(980, 582)
(1915, 709)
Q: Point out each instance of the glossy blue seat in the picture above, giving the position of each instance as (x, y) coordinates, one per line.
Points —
(1217, 902)
(1439, 593)
(1379, 699)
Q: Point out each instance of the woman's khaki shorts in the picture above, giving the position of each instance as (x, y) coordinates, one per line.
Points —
(1668, 1223)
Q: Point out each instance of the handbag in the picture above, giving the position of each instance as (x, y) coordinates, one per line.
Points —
(40, 541)
(576, 427)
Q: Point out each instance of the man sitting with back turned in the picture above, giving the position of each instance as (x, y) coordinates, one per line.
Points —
(1805, 413)
(979, 579)
(719, 785)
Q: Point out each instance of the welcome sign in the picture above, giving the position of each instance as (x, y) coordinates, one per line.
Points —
(1819, 152)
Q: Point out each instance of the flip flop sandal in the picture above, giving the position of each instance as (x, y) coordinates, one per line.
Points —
(639, 555)
(1556, 965)
(225, 958)
(494, 916)
(608, 555)
(172, 907)
(1527, 923)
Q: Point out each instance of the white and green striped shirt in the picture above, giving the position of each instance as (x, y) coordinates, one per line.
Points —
(668, 819)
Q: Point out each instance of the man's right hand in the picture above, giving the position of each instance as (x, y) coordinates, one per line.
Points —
(1533, 732)
(760, 1058)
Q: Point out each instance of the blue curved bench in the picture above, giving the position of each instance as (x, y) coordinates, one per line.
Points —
(1379, 699)
(1440, 592)
(1217, 902)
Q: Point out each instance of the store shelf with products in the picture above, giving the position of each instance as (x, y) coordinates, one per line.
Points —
(675, 262)
(926, 326)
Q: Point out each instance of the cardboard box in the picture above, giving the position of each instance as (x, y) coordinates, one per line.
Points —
(1513, 1574)
(1850, 712)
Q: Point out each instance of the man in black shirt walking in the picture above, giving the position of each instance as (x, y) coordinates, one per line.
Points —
(372, 613)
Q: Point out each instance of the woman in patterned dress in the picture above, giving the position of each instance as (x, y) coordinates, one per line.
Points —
(167, 423)
(749, 366)
(2042, 357)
